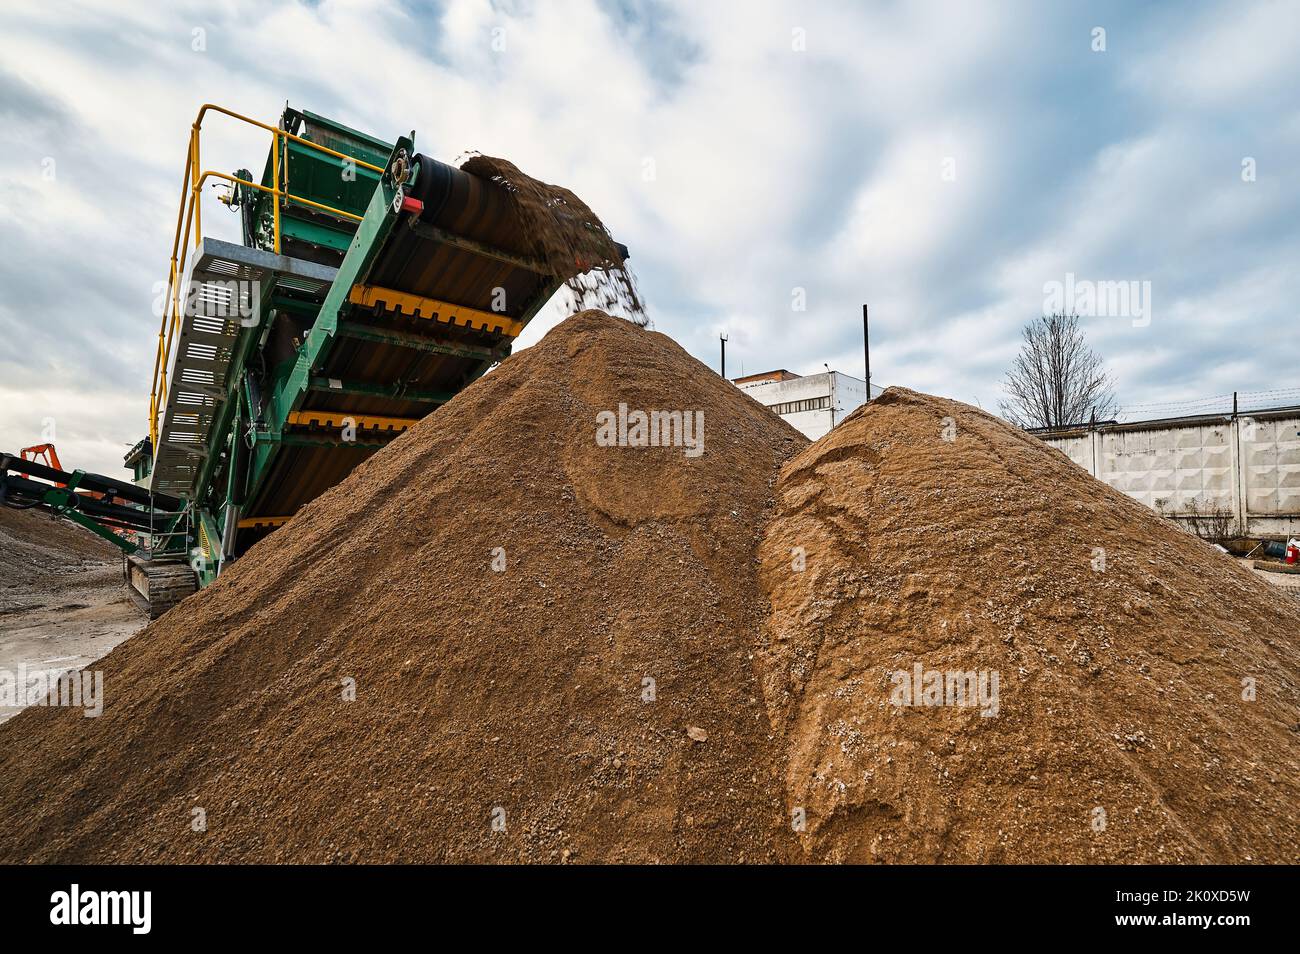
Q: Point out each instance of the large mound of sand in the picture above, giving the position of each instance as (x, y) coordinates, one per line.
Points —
(565, 650)
(518, 697)
(936, 535)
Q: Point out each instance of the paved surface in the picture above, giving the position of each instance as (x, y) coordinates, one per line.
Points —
(1290, 582)
(69, 627)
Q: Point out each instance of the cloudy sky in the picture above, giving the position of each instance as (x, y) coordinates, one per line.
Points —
(771, 166)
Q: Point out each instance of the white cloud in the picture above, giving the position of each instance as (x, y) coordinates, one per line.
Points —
(774, 168)
(1227, 57)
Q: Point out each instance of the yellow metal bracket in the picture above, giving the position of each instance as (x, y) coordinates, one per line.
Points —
(434, 309)
(362, 422)
(251, 522)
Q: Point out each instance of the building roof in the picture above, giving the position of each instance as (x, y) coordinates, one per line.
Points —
(779, 375)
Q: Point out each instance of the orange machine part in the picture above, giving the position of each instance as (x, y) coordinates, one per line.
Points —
(43, 450)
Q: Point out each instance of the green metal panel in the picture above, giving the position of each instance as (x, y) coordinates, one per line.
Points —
(328, 236)
(314, 175)
(327, 179)
(340, 138)
(63, 502)
(294, 380)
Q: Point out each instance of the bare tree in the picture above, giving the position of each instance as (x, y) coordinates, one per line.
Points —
(1057, 380)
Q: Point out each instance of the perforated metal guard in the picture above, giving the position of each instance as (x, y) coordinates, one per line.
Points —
(224, 285)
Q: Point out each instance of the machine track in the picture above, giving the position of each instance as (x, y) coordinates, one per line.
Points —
(158, 585)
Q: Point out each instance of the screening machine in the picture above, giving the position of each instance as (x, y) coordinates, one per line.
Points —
(371, 285)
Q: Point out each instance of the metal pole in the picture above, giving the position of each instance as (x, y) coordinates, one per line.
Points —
(866, 350)
(722, 339)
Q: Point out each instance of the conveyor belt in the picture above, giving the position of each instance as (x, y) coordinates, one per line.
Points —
(372, 286)
(102, 504)
(448, 289)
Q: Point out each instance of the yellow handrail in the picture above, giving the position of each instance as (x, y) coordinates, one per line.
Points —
(212, 173)
(190, 211)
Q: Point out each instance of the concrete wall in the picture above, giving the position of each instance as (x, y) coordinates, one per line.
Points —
(1247, 465)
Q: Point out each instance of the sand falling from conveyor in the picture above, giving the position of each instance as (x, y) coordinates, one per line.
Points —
(569, 238)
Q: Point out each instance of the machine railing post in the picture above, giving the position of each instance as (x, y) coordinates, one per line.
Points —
(194, 177)
(275, 184)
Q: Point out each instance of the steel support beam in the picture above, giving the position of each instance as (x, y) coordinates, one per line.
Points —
(403, 339)
(395, 391)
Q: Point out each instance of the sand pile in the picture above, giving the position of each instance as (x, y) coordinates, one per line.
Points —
(553, 698)
(62, 602)
(40, 555)
(937, 536)
(687, 657)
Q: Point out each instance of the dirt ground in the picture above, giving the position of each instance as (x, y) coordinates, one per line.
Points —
(62, 602)
(1287, 582)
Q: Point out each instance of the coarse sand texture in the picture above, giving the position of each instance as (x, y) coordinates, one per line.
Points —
(501, 640)
(939, 536)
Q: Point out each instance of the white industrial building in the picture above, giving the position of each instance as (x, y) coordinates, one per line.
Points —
(812, 403)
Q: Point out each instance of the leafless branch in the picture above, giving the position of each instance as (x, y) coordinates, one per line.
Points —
(1057, 380)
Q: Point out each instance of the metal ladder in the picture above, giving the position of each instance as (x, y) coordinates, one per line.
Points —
(224, 286)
